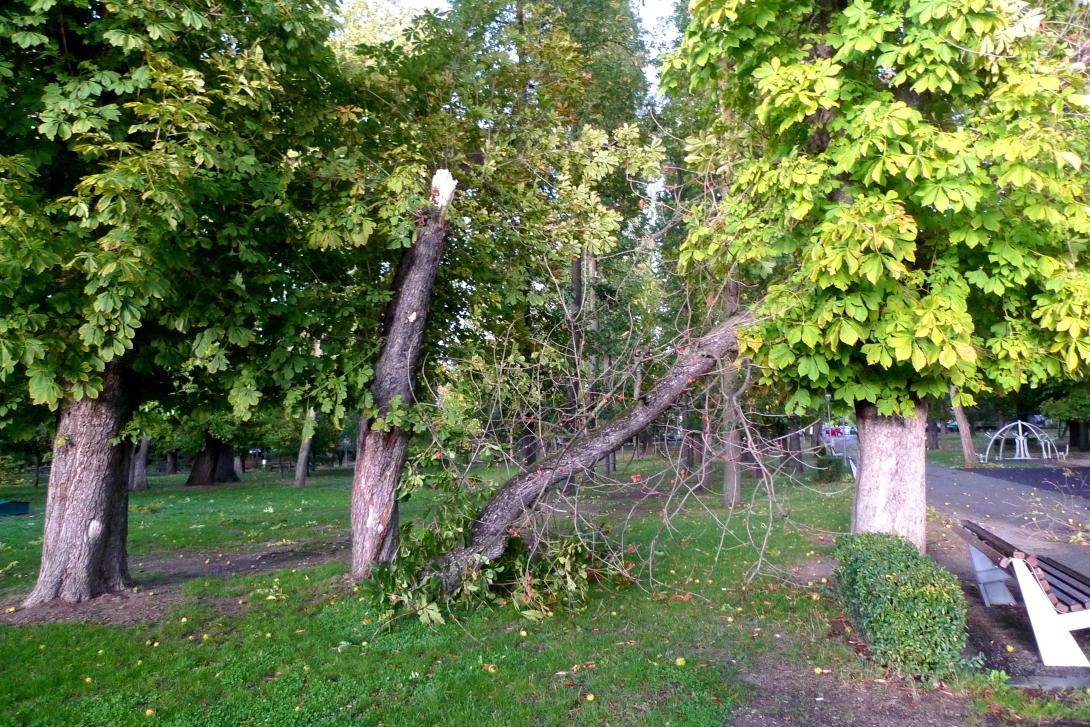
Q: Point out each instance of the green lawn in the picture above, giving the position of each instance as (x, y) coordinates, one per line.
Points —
(303, 649)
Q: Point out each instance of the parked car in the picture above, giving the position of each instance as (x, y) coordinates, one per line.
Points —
(952, 425)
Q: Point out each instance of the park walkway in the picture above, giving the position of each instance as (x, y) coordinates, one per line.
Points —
(1041, 519)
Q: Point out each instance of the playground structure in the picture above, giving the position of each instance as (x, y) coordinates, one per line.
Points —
(1023, 435)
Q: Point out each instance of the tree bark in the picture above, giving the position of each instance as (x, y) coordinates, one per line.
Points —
(965, 431)
(203, 471)
(382, 451)
(225, 465)
(1078, 434)
(138, 471)
(304, 450)
(86, 512)
(172, 463)
(214, 463)
(891, 489)
(520, 493)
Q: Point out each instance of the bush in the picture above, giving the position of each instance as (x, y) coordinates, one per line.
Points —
(911, 612)
(830, 468)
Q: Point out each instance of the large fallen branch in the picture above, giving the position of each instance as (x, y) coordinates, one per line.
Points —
(520, 493)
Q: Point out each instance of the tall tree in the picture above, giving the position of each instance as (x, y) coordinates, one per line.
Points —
(142, 145)
(914, 182)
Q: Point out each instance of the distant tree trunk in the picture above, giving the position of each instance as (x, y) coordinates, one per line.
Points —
(138, 471)
(304, 449)
(172, 463)
(965, 431)
(932, 436)
(944, 431)
(1078, 435)
(214, 463)
(381, 452)
(225, 465)
(794, 452)
(37, 467)
(891, 489)
(238, 465)
(203, 471)
(86, 512)
(522, 492)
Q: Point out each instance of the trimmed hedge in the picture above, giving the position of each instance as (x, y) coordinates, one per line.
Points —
(911, 612)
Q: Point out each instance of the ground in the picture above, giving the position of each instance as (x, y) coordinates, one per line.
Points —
(244, 615)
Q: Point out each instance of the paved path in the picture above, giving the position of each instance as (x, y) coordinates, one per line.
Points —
(1038, 519)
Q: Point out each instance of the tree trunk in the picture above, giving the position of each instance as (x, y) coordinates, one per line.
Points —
(520, 493)
(382, 451)
(891, 488)
(37, 468)
(794, 452)
(225, 465)
(172, 463)
(203, 471)
(214, 463)
(86, 512)
(965, 431)
(1078, 436)
(138, 471)
(304, 449)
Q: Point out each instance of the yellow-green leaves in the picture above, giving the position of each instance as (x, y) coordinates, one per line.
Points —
(918, 193)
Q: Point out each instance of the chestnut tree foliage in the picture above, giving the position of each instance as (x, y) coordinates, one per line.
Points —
(912, 178)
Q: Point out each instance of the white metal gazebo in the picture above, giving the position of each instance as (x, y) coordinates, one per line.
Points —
(1025, 437)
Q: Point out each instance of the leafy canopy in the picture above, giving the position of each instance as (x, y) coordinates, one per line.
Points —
(909, 177)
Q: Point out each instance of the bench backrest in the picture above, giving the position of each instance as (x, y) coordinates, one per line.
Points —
(1067, 589)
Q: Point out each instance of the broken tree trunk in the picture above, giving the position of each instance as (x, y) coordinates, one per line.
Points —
(382, 447)
(86, 511)
(520, 493)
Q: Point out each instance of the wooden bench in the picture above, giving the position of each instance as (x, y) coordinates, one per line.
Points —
(1057, 599)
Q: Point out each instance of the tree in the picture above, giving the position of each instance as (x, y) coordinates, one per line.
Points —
(138, 138)
(494, 86)
(911, 176)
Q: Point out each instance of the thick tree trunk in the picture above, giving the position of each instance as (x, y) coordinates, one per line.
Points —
(172, 463)
(520, 493)
(225, 465)
(965, 431)
(214, 463)
(891, 489)
(304, 450)
(381, 452)
(86, 512)
(138, 470)
(203, 471)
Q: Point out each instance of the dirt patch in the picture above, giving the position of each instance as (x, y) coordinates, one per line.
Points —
(160, 582)
(780, 695)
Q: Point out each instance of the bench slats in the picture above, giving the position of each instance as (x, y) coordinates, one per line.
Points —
(1066, 589)
(1062, 583)
(1072, 576)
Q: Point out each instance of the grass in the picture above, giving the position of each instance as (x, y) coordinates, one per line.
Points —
(302, 649)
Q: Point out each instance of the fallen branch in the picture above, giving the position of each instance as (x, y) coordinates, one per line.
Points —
(520, 493)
